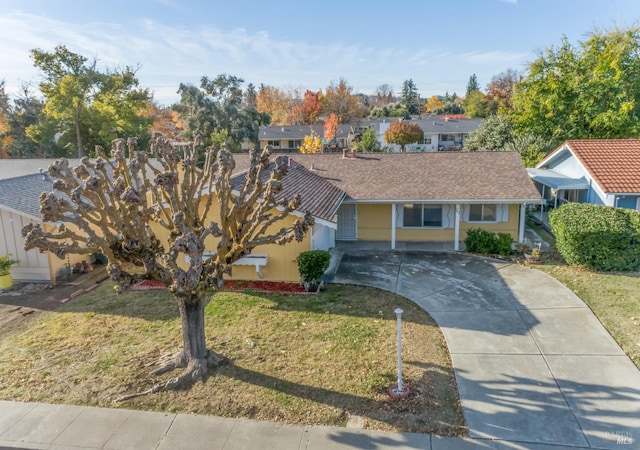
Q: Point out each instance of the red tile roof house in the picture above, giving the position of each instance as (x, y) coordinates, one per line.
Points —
(599, 171)
(398, 199)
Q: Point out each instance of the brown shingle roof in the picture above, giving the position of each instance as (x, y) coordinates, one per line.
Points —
(438, 176)
(613, 163)
(320, 197)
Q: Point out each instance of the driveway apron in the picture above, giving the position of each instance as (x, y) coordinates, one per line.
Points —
(532, 362)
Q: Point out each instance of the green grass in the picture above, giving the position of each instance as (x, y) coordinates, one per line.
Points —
(613, 297)
(297, 359)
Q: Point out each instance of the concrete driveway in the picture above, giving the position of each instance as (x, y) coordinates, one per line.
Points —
(532, 362)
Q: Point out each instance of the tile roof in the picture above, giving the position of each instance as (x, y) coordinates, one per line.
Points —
(613, 163)
(320, 197)
(11, 168)
(441, 176)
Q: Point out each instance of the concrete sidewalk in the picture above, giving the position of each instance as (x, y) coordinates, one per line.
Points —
(45, 426)
(532, 362)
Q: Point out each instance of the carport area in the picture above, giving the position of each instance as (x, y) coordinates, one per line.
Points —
(532, 362)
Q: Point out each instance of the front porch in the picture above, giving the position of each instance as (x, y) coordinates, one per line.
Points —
(399, 245)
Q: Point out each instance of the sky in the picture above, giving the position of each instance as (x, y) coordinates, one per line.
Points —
(301, 44)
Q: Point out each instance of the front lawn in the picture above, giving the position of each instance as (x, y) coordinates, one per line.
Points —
(301, 359)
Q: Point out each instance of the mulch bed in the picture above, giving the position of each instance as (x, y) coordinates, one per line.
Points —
(279, 287)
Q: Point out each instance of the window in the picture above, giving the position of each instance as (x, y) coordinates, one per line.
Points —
(418, 215)
(274, 143)
(427, 140)
(295, 144)
(482, 213)
(448, 137)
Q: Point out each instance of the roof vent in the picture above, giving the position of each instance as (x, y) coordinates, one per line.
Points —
(283, 129)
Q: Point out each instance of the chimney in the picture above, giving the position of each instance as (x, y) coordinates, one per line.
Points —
(344, 153)
(312, 167)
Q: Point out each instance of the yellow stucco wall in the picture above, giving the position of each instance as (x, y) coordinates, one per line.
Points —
(374, 224)
(281, 266)
(59, 268)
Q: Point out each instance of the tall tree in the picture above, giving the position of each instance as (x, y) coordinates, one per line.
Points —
(92, 106)
(496, 134)
(433, 104)
(20, 114)
(472, 85)
(500, 90)
(384, 95)
(250, 96)
(331, 128)
(403, 132)
(340, 100)
(410, 98)
(311, 107)
(586, 91)
(475, 104)
(217, 106)
(196, 210)
(275, 103)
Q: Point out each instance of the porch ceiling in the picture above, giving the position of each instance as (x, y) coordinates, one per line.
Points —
(556, 180)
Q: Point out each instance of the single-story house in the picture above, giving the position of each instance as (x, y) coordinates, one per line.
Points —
(21, 183)
(441, 133)
(403, 198)
(388, 198)
(599, 171)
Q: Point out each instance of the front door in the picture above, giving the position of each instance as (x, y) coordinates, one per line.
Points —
(347, 225)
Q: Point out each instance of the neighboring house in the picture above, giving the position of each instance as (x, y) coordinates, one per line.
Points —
(21, 184)
(289, 138)
(599, 171)
(441, 133)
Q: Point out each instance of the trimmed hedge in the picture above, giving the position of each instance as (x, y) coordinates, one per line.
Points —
(599, 237)
(312, 264)
(485, 242)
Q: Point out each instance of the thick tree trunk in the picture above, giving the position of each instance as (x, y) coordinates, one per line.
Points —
(78, 133)
(192, 318)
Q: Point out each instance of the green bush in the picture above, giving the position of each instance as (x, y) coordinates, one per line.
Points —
(485, 242)
(504, 244)
(599, 237)
(312, 264)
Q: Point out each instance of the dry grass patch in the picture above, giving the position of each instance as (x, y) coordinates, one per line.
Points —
(295, 358)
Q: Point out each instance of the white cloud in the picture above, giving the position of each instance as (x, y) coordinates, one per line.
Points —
(170, 55)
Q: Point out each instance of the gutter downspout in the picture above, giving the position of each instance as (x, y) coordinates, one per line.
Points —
(523, 212)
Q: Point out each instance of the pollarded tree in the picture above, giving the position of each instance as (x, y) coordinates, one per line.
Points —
(105, 208)
(402, 133)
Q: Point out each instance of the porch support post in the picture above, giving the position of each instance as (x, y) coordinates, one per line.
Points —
(542, 203)
(456, 237)
(523, 215)
(393, 226)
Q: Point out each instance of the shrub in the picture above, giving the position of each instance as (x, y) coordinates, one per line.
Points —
(311, 266)
(504, 244)
(599, 237)
(485, 242)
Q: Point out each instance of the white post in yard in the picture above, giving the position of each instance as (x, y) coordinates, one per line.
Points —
(399, 312)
